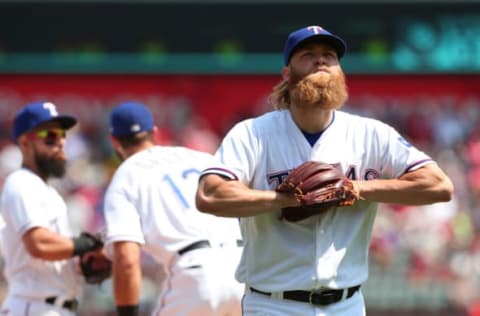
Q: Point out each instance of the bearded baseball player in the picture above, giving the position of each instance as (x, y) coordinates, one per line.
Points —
(305, 180)
(150, 206)
(36, 239)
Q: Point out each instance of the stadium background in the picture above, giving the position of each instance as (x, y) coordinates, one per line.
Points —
(203, 65)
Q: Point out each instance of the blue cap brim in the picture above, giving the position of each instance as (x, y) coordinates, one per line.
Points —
(66, 121)
(336, 42)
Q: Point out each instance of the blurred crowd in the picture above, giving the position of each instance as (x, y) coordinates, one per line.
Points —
(425, 257)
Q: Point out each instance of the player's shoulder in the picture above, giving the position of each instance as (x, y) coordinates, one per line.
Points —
(355, 120)
(22, 178)
(272, 117)
(186, 152)
(22, 182)
(162, 158)
(181, 155)
(129, 166)
(264, 118)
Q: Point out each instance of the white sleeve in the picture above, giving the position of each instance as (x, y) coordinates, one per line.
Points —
(237, 154)
(121, 215)
(399, 155)
(23, 206)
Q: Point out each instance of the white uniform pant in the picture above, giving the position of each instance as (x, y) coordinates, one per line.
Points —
(256, 304)
(19, 306)
(202, 283)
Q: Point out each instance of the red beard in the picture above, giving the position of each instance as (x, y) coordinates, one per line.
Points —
(320, 89)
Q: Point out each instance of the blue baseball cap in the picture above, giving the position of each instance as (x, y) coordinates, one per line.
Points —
(34, 114)
(312, 32)
(130, 118)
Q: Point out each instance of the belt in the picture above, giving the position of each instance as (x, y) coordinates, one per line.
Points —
(71, 305)
(202, 244)
(321, 298)
(196, 245)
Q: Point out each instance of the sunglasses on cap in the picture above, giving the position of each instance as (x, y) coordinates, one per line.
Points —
(51, 136)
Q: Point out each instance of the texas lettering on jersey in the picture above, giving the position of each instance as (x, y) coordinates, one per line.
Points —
(352, 173)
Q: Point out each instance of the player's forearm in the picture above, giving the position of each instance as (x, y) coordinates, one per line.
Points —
(42, 244)
(240, 204)
(233, 199)
(127, 275)
(126, 285)
(424, 186)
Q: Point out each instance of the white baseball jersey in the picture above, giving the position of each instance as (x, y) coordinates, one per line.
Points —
(151, 201)
(28, 202)
(328, 250)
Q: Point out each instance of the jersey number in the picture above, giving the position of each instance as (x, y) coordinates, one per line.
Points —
(167, 178)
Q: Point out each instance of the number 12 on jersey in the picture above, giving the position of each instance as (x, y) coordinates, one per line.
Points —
(167, 178)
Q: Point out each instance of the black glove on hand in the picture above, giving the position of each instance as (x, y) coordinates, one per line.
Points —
(86, 242)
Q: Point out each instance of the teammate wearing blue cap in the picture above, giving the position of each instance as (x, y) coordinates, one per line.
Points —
(36, 239)
(150, 205)
(314, 266)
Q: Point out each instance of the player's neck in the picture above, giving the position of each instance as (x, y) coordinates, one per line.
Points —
(34, 169)
(311, 120)
(135, 149)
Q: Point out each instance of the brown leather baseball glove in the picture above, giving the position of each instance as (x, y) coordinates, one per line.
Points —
(318, 186)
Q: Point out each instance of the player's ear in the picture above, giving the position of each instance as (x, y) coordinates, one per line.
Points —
(117, 147)
(286, 73)
(115, 143)
(22, 141)
(156, 135)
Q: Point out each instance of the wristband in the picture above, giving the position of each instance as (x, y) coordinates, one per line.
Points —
(127, 310)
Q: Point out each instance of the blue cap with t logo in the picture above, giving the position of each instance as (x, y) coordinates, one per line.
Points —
(34, 114)
(312, 32)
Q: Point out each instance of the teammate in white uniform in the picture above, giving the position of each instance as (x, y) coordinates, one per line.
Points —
(150, 204)
(36, 239)
(322, 259)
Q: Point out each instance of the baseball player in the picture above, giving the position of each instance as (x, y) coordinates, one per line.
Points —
(317, 265)
(36, 238)
(150, 205)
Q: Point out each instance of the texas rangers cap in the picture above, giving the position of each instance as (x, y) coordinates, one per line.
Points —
(34, 114)
(310, 32)
(129, 118)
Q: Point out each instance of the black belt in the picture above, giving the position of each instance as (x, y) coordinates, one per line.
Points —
(202, 244)
(321, 298)
(196, 245)
(71, 305)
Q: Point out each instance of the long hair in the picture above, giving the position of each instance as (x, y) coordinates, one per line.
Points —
(280, 96)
